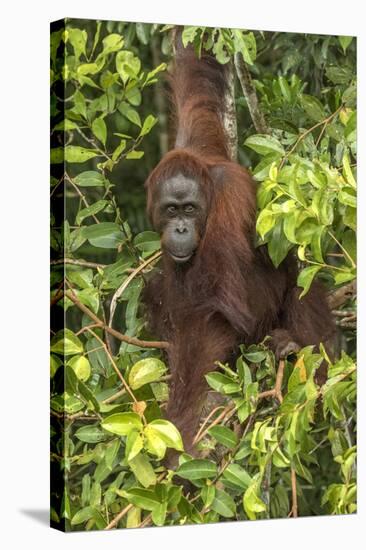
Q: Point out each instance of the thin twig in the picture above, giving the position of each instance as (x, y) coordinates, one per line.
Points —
(81, 195)
(82, 263)
(302, 136)
(123, 512)
(208, 418)
(228, 411)
(114, 396)
(119, 516)
(93, 143)
(294, 509)
(126, 282)
(57, 296)
(276, 391)
(123, 337)
(343, 249)
(116, 369)
(225, 415)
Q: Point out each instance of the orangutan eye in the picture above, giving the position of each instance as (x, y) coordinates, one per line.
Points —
(171, 209)
(189, 208)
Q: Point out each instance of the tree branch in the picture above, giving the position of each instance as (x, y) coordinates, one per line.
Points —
(250, 94)
(229, 116)
(338, 297)
(126, 282)
(294, 509)
(123, 337)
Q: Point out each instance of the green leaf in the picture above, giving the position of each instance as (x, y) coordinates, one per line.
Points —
(348, 171)
(122, 423)
(79, 103)
(340, 278)
(127, 65)
(147, 242)
(134, 444)
(104, 235)
(285, 88)
(130, 113)
(150, 77)
(316, 243)
(87, 68)
(290, 224)
(345, 41)
(224, 435)
(78, 39)
(263, 144)
(208, 495)
(143, 498)
(83, 515)
(220, 49)
(57, 155)
(89, 297)
(81, 367)
(265, 222)
(142, 32)
(188, 35)
(349, 217)
(159, 514)
(197, 468)
(71, 381)
(133, 517)
(142, 469)
(119, 150)
(252, 503)
(278, 246)
(223, 504)
(262, 169)
(111, 453)
(112, 43)
(133, 96)
(350, 244)
(134, 155)
(154, 443)
(313, 107)
(74, 153)
(149, 123)
(90, 434)
(348, 197)
(65, 342)
(55, 363)
(236, 475)
(89, 211)
(245, 44)
(145, 371)
(99, 129)
(255, 356)
(90, 178)
(279, 459)
(306, 277)
(217, 381)
(167, 432)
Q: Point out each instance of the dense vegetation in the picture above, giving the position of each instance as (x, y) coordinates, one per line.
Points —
(295, 454)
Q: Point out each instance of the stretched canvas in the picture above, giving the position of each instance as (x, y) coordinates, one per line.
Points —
(203, 272)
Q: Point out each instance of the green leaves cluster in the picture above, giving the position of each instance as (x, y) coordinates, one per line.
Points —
(104, 78)
(307, 191)
(223, 42)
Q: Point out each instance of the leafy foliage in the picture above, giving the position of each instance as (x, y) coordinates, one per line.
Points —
(262, 449)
